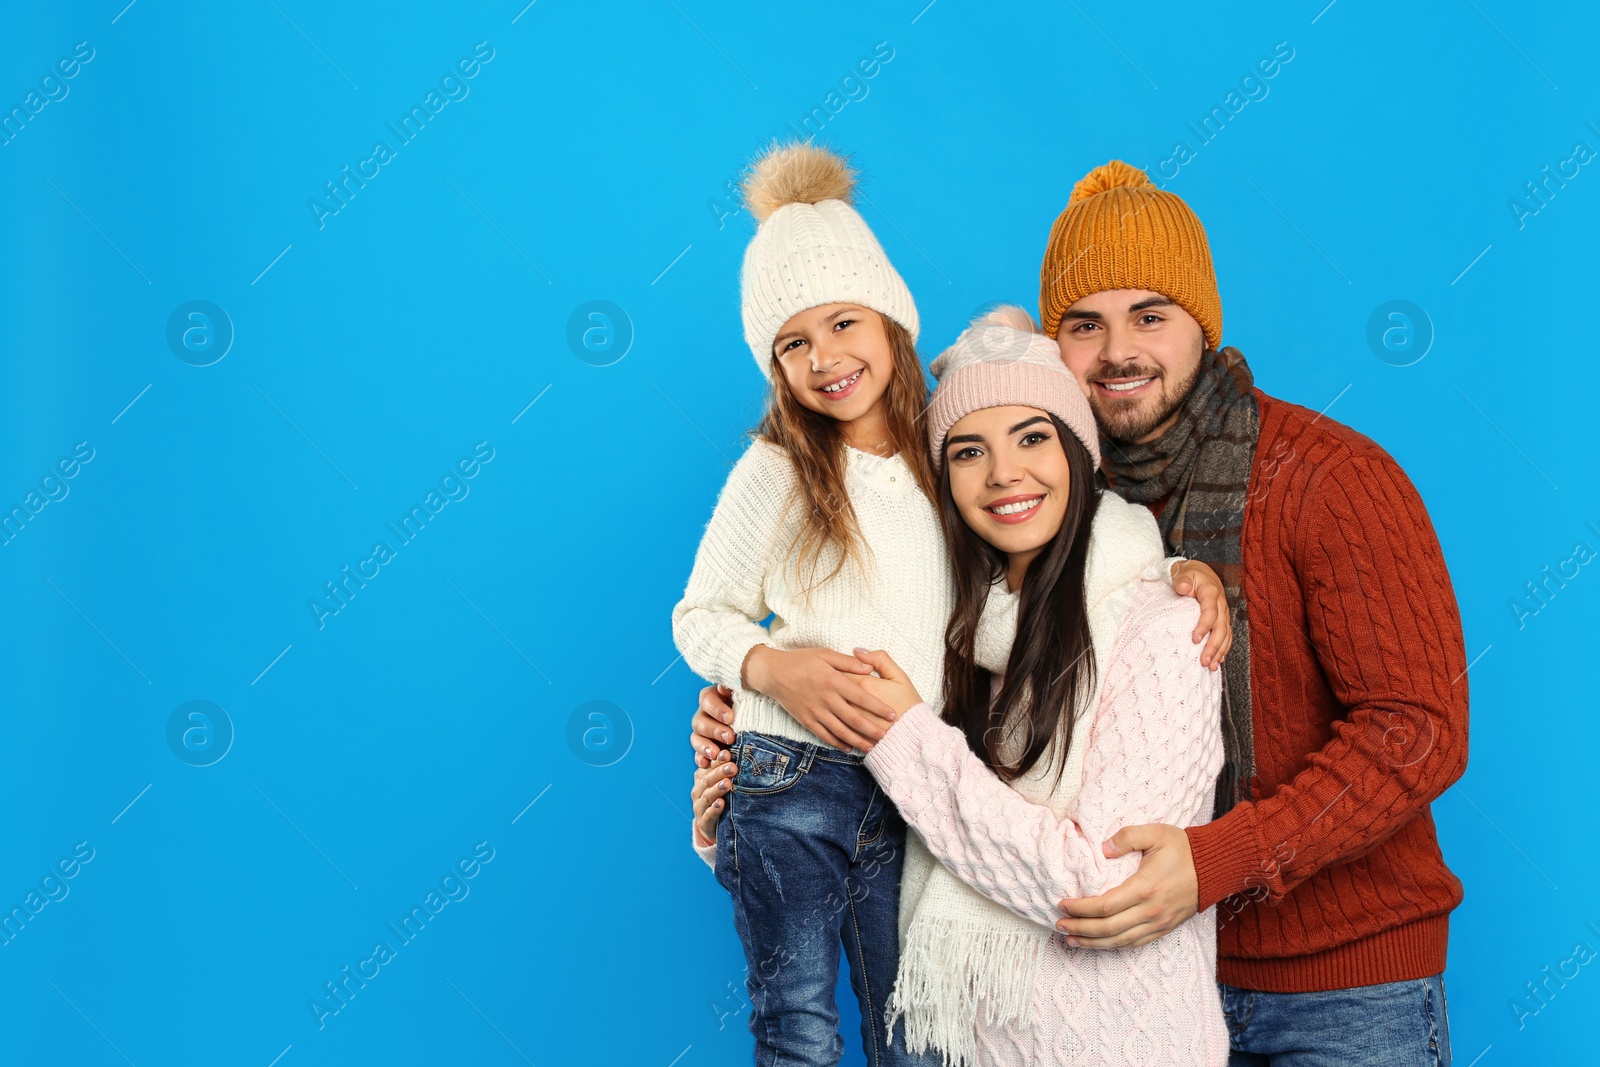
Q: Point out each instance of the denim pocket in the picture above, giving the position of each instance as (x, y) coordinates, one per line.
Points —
(765, 765)
(1237, 1007)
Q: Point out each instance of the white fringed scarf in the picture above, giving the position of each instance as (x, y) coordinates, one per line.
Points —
(961, 952)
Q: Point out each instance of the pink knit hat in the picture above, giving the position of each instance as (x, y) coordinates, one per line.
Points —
(1003, 360)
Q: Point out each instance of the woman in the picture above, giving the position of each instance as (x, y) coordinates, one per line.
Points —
(1074, 705)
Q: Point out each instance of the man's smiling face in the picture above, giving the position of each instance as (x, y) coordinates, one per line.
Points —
(1137, 355)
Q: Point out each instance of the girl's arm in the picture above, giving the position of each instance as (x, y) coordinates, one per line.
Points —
(1155, 747)
(716, 624)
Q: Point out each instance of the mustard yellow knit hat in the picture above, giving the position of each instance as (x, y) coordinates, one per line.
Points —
(1118, 231)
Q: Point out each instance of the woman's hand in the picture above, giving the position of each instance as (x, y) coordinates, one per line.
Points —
(892, 687)
(1193, 578)
(823, 690)
(711, 786)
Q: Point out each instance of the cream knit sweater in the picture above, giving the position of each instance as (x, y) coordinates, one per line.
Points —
(745, 570)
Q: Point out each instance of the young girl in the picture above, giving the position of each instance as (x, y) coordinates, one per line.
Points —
(827, 525)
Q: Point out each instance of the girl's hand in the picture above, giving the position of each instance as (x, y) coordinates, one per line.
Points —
(891, 686)
(822, 689)
(711, 786)
(1193, 578)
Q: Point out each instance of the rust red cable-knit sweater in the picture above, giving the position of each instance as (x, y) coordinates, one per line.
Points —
(1331, 876)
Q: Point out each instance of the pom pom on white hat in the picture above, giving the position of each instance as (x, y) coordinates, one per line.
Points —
(811, 247)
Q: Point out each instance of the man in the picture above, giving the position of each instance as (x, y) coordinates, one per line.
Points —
(1346, 697)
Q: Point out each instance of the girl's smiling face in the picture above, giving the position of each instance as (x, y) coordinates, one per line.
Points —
(836, 359)
(1010, 479)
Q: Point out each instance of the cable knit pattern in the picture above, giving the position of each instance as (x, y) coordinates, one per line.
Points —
(744, 570)
(1332, 877)
(1154, 747)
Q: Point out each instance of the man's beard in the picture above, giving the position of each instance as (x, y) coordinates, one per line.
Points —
(1131, 420)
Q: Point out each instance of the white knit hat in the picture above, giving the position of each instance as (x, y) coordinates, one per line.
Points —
(810, 248)
(999, 361)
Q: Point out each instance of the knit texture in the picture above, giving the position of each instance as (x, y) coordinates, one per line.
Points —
(1205, 457)
(999, 361)
(963, 952)
(1333, 877)
(745, 570)
(811, 248)
(997, 631)
(1118, 231)
(1153, 748)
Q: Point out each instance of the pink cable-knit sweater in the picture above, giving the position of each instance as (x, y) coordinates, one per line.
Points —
(1154, 752)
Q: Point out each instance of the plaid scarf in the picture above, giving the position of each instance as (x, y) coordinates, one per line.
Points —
(1202, 467)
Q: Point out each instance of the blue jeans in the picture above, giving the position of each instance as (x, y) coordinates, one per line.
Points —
(1396, 1024)
(811, 851)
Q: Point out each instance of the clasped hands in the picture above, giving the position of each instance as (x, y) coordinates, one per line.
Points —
(836, 697)
(853, 701)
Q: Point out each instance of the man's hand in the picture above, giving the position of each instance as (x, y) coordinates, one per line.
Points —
(1162, 893)
(1193, 578)
(708, 795)
(712, 726)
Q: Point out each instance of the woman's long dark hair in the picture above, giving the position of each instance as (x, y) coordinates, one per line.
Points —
(1051, 670)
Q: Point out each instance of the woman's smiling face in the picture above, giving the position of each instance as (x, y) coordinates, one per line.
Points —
(1009, 479)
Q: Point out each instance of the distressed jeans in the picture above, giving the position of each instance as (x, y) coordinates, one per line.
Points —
(810, 850)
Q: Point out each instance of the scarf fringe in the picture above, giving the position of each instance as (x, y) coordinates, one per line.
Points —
(948, 967)
(962, 953)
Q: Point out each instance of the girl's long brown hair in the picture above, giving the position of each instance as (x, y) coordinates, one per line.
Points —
(1051, 669)
(815, 445)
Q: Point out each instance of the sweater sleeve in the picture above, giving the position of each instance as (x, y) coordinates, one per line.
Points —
(705, 852)
(1155, 747)
(718, 620)
(1382, 619)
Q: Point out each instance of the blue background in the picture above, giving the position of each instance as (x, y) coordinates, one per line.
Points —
(589, 161)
